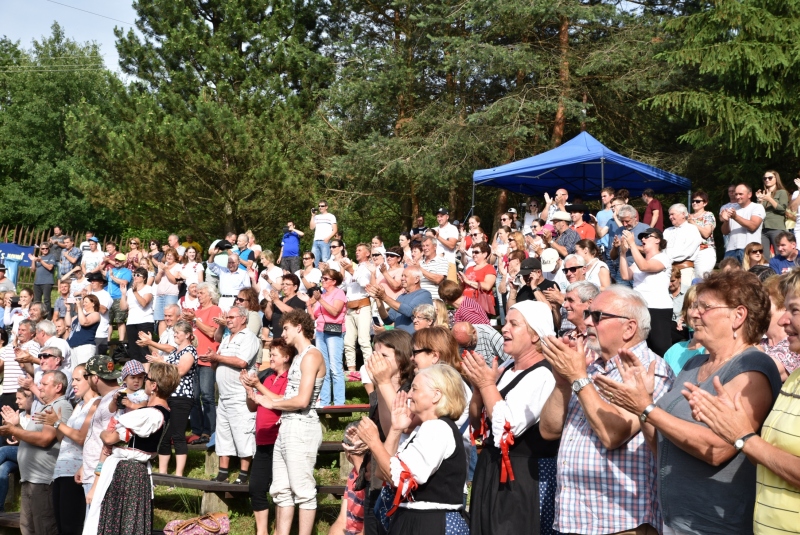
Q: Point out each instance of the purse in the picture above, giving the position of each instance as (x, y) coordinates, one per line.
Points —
(334, 328)
(486, 302)
(209, 524)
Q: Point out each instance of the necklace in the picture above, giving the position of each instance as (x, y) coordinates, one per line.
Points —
(710, 372)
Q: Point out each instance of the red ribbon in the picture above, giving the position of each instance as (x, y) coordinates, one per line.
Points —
(475, 434)
(405, 476)
(506, 471)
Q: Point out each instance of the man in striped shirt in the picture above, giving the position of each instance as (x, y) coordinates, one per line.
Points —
(12, 371)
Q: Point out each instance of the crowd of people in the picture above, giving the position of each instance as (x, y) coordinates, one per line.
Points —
(570, 372)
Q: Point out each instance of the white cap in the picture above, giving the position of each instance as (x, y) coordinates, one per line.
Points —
(538, 316)
(549, 258)
(512, 210)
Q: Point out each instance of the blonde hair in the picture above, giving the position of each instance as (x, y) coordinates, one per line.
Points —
(441, 313)
(447, 381)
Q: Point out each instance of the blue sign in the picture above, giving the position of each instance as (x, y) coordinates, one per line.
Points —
(14, 257)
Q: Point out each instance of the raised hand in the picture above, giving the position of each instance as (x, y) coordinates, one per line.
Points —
(721, 413)
(47, 417)
(401, 413)
(476, 369)
(368, 433)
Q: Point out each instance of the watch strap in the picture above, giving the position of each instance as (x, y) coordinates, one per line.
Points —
(646, 412)
(739, 444)
(56, 424)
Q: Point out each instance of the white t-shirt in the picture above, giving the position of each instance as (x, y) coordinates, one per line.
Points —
(324, 226)
(105, 301)
(137, 314)
(191, 272)
(654, 287)
(92, 259)
(446, 232)
(313, 278)
(739, 237)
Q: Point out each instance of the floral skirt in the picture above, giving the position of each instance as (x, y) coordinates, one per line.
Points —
(127, 507)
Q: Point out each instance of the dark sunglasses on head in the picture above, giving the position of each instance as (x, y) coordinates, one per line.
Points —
(572, 269)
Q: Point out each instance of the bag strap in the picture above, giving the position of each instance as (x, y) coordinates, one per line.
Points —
(207, 522)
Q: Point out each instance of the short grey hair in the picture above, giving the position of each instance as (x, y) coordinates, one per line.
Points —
(586, 290)
(55, 351)
(430, 239)
(426, 311)
(39, 306)
(630, 303)
(679, 207)
(243, 237)
(47, 327)
(212, 290)
(626, 210)
(172, 305)
(242, 311)
(579, 259)
(60, 378)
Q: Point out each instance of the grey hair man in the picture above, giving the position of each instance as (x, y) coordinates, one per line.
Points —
(600, 442)
(629, 219)
(47, 337)
(166, 341)
(231, 279)
(683, 243)
(175, 242)
(577, 300)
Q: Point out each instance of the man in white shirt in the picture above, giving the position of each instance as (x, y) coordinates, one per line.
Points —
(166, 341)
(731, 204)
(742, 225)
(175, 243)
(359, 312)
(446, 236)
(97, 287)
(434, 267)
(683, 243)
(231, 279)
(93, 258)
(325, 228)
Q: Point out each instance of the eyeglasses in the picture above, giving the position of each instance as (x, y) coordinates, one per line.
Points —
(420, 318)
(572, 269)
(757, 251)
(697, 201)
(416, 352)
(238, 299)
(148, 378)
(326, 279)
(232, 317)
(476, 251)
(598, 316)
(702, 308)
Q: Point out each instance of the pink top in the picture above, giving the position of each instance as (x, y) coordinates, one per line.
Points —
(395, 273)
(322, 316)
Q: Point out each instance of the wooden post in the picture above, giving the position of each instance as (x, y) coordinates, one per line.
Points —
(212, 463)
(212, 503)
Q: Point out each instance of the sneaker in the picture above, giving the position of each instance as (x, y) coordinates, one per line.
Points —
(193, 439)
(240, 481)
(202, 439)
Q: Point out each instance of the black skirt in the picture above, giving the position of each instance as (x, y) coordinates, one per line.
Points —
(127, 507)
(525, 506)
(428, 522)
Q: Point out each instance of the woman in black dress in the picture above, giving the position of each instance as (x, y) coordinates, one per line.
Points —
(428, 469)
(122, 495)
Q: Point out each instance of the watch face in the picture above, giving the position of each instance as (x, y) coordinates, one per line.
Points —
(739, 444)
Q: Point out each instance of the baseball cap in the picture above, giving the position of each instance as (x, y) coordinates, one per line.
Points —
(650, 232)
(94, 276)
(444, 211)
(94, 239)
(549, 259)
(132, 367)
(121, 257)
(512, 210)
(560, 215)
(103, 367)
(528, 265)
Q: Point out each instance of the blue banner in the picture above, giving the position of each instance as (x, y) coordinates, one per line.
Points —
(14, 257)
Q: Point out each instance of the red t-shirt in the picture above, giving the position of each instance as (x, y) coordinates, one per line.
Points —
(655, 204)
(585, 231)
(204, 343)
(267, 419)
(478, 275)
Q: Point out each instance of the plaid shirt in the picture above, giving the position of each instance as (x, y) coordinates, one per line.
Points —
(490, 344)
(602, 491)
(471, 312)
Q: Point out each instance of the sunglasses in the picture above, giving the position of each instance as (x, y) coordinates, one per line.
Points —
(238, 299)
(307, 258)
(46, 355)
(572, 269)
(148, 378)
(475, 235)
(326, 279)
(757, 251)
(336, 246)
(377, 255)
(416, 352)
(769, 177)
(598, 316)
(477, 251)
(322, 206)
(134, 243)
(697, 201)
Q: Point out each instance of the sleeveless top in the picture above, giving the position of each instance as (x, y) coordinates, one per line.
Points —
(82, 335)
(530, 443)
(150, 444)
(293, 388)
(446, 484)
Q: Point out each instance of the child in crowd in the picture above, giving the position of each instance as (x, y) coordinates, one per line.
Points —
(132, 396)
(351, 515)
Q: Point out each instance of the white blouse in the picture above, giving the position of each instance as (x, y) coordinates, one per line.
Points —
(523, 405)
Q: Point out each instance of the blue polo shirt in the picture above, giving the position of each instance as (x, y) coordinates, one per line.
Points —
(120, 273)
(290, 244)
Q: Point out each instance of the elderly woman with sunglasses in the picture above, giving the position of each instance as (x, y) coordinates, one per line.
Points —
(774, 198)
(650, 274)
(706, 223)
(706, 484)
(754, 256)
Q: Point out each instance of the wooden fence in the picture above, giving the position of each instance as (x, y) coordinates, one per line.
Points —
(27, 237)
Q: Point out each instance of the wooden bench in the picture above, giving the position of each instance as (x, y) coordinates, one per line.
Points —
(215, 493)
(330, 414)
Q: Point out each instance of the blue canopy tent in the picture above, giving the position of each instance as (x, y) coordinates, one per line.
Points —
(583, 166)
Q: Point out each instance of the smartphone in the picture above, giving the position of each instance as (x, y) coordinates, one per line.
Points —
(376, 321)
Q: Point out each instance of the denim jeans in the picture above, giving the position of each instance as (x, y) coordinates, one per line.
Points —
(331, 345)
(322, 251)
(738, 254)
(204, 419)
(8, 464)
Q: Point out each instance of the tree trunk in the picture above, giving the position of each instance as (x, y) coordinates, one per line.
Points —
(563, 78)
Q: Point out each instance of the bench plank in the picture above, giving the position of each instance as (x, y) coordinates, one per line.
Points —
(343, 409)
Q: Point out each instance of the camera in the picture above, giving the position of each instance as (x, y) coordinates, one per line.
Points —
(121, 396)
(14, 302)
(285, 230)
(314, 210)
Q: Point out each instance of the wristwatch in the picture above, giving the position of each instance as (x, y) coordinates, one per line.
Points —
(739, 444)
(647, 410)
(55, 425)
(578, 385)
